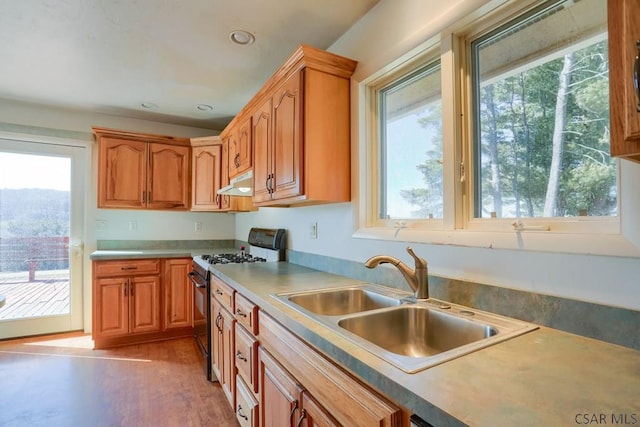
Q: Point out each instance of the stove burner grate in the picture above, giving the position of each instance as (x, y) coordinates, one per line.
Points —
(232, 258)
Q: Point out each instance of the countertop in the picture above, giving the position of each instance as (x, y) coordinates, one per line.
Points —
(154, 253)
(542, 378)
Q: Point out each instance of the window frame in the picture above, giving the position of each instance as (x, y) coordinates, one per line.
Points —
(459, 227)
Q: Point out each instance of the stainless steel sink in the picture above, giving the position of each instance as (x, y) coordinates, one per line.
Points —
(335, 302)
(417, 331)
(412, 335)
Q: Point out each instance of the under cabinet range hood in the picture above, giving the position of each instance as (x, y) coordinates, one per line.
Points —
(240, 185)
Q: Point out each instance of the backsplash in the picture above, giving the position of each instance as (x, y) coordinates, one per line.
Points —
(601, 322)
(112, 245)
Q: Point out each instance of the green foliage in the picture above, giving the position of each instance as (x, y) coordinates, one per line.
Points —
(517, 116)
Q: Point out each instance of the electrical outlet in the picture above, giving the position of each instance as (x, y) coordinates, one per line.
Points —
(313, 230)
(133, 225)
(197, 226)
(101, 224)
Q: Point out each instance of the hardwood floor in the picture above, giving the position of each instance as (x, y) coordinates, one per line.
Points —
(60, 382)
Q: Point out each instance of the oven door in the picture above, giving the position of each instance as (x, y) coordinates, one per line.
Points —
(201, 320)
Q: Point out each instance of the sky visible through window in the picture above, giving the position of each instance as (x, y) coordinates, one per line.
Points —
(18, 171)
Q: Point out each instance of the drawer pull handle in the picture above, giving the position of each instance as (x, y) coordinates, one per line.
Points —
(636, 74)
(240, 313)
(303, 415)
(218, 292)
(130, 267)
(293, 410)
(241, 356)
(240, 413)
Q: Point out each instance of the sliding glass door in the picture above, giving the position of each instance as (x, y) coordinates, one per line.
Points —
(41, 235)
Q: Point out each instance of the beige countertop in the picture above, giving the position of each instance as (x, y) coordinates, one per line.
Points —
(153, 253)
(543, 378)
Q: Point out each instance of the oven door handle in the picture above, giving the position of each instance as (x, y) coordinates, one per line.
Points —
(191, 275)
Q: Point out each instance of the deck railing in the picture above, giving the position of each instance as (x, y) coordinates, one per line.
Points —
(34, 253)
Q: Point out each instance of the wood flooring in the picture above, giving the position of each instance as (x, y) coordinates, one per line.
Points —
(62, 382)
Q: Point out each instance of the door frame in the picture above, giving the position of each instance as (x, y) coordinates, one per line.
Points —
(79, 151)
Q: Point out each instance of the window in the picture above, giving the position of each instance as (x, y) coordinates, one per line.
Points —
(541, 115)
(411, 173)
(495, 126)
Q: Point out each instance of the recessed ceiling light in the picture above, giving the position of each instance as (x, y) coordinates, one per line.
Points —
(204, 107)
(241, 37)
(149, 105)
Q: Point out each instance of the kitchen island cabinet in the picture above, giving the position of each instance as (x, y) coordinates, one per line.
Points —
(142, 171)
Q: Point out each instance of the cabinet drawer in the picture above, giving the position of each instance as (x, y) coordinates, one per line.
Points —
(246, 314)
(247, 357)
(126, 267)
(223, 293)
(246, 405)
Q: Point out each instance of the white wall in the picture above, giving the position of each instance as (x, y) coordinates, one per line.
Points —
(387, 32)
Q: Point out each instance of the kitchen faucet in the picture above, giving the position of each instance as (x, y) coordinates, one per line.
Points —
(418, 279)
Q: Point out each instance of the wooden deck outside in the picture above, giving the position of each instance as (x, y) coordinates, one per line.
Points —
(47, 295)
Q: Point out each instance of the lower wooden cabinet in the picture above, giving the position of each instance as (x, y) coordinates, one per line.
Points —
(284, 402)
(274, 379)
(246, 405)
(326, 388)
(178, 293)
(140, 300)
(223, 329)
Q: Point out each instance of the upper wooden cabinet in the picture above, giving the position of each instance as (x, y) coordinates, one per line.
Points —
(240, 148)
(206, 174)
(142, 171)
(300, 131)
(624, 33)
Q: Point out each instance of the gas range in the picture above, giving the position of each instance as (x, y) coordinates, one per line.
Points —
(265, 245)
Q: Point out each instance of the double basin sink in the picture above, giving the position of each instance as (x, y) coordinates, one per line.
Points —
(411, 335)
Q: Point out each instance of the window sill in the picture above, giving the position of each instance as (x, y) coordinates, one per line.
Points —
(536, 241)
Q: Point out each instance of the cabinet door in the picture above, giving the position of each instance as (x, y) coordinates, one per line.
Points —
(287, 139)
(144, 304)
(227, 372)
(178, 294)
(279, 393)
(206, 163)
(262, 160)
(241, 152)
(217, 358)
(111, 317)
(624, 31)
(246, 405)
(168, 179)
(122, 176)
(314, 415)
(225, 200)
(246, 357)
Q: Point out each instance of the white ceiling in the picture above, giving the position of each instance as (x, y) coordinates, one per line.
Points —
(110, 56)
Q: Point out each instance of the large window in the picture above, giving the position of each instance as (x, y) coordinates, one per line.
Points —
(499, 125)
(541, 101)
(411, 180)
